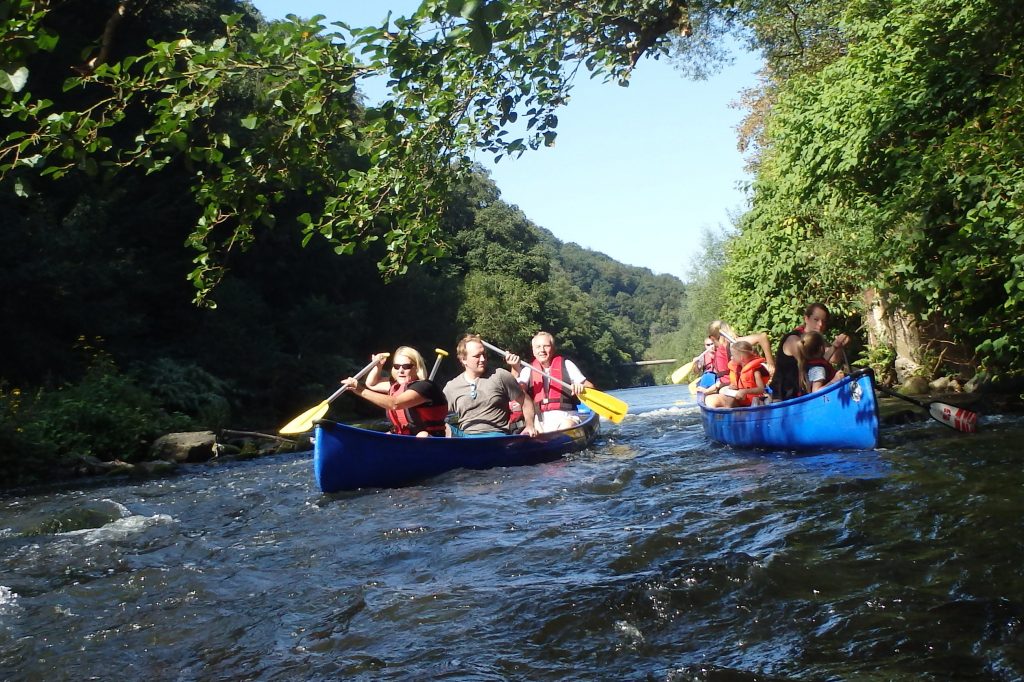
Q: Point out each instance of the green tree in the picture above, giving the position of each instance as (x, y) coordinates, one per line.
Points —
(896, 166)
(465, 75)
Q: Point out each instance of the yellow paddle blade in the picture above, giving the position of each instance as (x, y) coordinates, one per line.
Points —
(680, 375)
(693, 386)
(304, 422)
(605, 405)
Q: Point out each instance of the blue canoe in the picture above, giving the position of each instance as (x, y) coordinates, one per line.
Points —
(348, 458)
(841, 416)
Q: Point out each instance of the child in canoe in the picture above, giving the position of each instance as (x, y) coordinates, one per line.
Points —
(816, 371)
(748, 376)
(721, 337)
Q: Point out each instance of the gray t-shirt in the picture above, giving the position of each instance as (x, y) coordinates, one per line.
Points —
(488, 411)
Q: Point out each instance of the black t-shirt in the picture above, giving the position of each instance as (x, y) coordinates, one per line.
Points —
(786, 382)
(429, 390)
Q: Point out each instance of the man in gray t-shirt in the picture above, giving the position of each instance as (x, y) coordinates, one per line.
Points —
(480, 396)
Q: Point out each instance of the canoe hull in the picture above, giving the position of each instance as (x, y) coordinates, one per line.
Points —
(348, 458)
(841, 416)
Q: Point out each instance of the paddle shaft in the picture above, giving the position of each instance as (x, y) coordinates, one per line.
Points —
(359, 375)
(894, 394)
(541, 372)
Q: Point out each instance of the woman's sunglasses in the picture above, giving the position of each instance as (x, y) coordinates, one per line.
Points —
(405, 366)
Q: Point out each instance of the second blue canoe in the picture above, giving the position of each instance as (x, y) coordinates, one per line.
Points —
(841, 416)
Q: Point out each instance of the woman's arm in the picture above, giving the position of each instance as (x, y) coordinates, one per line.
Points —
(838, 376)
(402, 401)
(760, 339)
(375, 379)
(835, 352)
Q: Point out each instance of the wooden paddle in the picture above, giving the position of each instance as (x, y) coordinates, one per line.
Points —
(680, 375)
(605, 405)
(304, 422)
(958, 418)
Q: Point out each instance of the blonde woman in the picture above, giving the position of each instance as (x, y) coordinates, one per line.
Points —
(415, 406)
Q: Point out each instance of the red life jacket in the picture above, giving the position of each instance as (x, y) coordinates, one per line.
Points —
(515, 411)
(830, 371)
(550, 395)
(744, 377)
(720, 363)
(409, 422)
(708, 358)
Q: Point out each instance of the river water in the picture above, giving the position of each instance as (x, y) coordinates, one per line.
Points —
(655, 555)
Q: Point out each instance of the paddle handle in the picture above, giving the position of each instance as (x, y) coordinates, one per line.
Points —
(542, 373)
(359, 375)
(441, 354)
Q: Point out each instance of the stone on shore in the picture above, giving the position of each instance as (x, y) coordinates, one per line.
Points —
(189, 446)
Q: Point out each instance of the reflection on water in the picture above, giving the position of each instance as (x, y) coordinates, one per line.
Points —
(654, 555)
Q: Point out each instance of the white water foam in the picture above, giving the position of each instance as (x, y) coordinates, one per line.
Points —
(8, 600)
(121, 529)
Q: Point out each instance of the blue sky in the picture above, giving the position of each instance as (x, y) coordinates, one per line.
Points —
(635, 173)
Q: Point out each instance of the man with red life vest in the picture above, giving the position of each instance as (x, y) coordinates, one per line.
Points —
(415, 406)
(556, 403)
(787, 381)
(705, 364)
(748, 376)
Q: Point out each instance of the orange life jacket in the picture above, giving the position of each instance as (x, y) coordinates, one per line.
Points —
(551, 395)
(409, 422)
(744, 377)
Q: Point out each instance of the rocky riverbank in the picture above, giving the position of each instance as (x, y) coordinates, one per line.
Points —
(174, 450)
